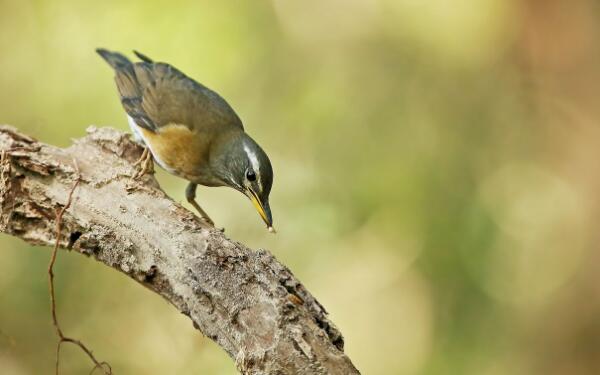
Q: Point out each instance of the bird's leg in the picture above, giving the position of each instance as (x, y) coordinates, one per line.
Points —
(190, 195)
(141, 159)
(146, 162)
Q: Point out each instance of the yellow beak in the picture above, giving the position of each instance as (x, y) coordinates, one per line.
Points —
(263, 210)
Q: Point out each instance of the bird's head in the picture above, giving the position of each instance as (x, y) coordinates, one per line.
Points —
(243, 165)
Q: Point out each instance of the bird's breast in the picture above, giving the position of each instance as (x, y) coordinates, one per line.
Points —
(180, 151)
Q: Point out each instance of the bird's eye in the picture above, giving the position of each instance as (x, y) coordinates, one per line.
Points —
(251, 176)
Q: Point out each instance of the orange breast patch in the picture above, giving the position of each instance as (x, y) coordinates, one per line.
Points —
(177, 149)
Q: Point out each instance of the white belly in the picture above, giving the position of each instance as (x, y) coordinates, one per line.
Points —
(134, 129)
(138, 135)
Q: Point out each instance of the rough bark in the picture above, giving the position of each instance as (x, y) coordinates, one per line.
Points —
(246, 301)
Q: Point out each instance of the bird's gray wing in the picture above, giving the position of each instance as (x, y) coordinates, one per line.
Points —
(158, 94)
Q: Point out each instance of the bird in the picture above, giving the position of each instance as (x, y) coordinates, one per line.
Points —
(190, 131)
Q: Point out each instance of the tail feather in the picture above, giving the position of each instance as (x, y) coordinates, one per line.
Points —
(114, 59)
(125, 77)
(143, 57)
(128, 84)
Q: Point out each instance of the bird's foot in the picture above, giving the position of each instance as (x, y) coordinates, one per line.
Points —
(142, 157)
(145, 163)
(207, 220)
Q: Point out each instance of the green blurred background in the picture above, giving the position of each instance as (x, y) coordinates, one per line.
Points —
(436, 175)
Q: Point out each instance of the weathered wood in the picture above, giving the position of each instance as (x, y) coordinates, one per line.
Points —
(246, 301)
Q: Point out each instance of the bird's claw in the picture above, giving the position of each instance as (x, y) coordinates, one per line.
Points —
(208, 221)
(146, 164)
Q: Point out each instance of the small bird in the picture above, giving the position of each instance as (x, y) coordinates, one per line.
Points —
(190, 131)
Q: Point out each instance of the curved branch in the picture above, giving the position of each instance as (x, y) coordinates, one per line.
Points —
(246, 301)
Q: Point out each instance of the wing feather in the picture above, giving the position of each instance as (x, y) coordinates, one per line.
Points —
(158, 94)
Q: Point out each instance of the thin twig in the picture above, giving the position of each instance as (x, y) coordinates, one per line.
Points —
(104, 366)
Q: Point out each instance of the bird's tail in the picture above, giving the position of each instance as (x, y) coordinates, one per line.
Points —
(114, 59)
(143, 57)
(125, 76)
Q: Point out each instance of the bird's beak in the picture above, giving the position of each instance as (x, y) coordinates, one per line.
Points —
(263, 209)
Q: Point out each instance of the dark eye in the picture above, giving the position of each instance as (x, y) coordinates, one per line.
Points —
(251, 176)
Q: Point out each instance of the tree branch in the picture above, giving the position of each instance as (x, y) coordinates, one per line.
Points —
(246, 301)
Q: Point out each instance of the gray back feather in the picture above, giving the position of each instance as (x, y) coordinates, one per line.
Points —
(157, 94)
